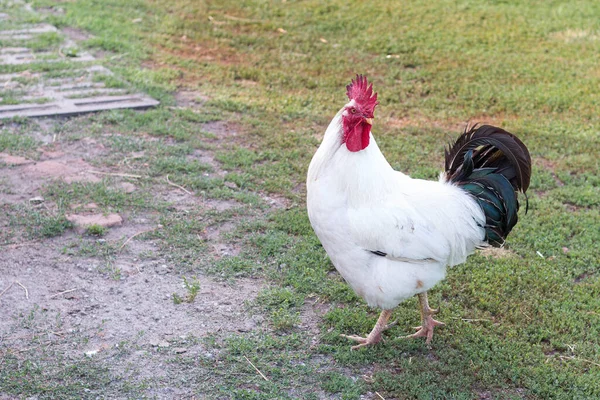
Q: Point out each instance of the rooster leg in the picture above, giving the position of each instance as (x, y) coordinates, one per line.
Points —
(375, 335)
(427, 321)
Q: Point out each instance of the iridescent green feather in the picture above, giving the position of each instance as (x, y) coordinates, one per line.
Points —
(495, 165)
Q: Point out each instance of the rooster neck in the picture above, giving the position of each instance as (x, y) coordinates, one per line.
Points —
(360, 175)
(332, 140)
(364, 176)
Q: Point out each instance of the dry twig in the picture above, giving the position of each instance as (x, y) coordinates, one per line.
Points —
(5, 290)
(177, 186)
(579, 359)
(214, 21)
(380, 396)
(134, 235)
(116, 174)
(473, 319)
(66, 291)
(34, 347)
(24, 288)
(232, 18)
(257, 370)
(17, 245)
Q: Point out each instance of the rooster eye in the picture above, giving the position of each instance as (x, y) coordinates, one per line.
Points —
(353, 110)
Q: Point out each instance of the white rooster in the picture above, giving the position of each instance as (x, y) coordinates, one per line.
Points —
(390, 236)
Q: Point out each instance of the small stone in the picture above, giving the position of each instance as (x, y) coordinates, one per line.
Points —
(36, 200)
(179, 350)
(128, 187)
(91, 353)
(14, 160)
(95, 219)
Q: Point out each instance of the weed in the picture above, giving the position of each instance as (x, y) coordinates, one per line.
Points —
(37, 223)
(96, 230)
(96, 248)
(192, 287)
(283, 319)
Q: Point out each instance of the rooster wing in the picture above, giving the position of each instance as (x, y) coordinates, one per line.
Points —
(423, 221)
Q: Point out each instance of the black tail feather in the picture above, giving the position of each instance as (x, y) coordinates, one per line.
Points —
(492, 165)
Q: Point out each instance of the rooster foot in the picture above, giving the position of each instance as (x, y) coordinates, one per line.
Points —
(375, 336)
(425, 330)
(427, 321)
(363, 341)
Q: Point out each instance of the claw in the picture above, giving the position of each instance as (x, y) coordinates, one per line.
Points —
(356, 338)
(363, 341)
(426, 330)
(427, 321)
(358, 346)
(375, 335)
(388, 326)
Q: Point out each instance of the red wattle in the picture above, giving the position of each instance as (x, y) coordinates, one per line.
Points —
(358, 138)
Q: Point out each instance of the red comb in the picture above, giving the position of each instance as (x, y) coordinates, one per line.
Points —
(362, 92)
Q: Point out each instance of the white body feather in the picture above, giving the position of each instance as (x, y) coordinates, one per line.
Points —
(358, 204)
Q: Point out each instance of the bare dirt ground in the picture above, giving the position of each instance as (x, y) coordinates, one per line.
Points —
(137, 308)
(37, 275)
(84, 307)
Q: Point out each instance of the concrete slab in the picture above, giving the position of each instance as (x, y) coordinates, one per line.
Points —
(81, 90)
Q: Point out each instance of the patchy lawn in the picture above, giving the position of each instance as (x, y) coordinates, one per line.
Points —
(211, 284)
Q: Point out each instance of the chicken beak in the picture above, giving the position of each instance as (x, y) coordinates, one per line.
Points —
(369, 121)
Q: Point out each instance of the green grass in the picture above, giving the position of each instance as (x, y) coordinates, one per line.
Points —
(47, 378)
(96, 230)
(16, 142)
(105, 194)
(518, 326)
(32, 222)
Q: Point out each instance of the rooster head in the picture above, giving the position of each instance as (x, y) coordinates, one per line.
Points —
(357, 116)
